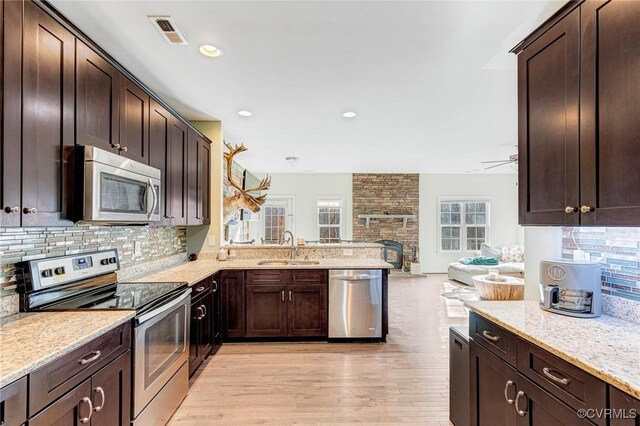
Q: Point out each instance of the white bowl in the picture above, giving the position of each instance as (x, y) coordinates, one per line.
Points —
(511, 289)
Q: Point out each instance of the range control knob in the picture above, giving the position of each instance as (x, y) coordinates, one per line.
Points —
(59, 270)
(47, 273)
(112, 260)
(104, 261)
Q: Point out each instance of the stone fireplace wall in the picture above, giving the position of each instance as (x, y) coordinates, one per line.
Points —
(386, 194)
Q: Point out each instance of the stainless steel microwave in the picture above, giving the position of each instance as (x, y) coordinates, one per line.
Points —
(116, 189)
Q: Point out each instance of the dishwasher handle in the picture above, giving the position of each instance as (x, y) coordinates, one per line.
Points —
(355, 278)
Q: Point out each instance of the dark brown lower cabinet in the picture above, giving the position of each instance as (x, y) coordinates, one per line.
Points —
(217, 313)
(201, 329)
(13, 403)
(266, 311)
(625, 409)
(232, 304)
(102, 399)
(307, 310)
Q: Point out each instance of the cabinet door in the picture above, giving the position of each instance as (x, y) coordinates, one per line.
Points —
(610, 123)
(492, 381)
(193, 208)
(548, 132)
(625, 408)
(536, 407)
(47, 117)
(159, 129)
(206, 325)
(204, 182)
(13, 402)
(232, 303)
(306, 310)
(97, 92)
(195, 357)
(10, 156)
(266, 311)
(134, 121)
(177, 173)
(217, 334)
(70, 409)
(111, 393)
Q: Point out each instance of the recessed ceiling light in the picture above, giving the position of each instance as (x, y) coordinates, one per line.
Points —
(210, 50)
(349, 114)
(245, 113)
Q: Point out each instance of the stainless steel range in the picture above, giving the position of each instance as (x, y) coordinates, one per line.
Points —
(161, 325)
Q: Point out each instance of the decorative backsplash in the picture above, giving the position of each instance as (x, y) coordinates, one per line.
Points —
(21, 244)
(618, 250)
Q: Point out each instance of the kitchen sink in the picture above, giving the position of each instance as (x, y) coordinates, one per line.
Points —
(288, 262)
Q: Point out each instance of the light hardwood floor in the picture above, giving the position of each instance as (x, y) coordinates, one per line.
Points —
(405, 380)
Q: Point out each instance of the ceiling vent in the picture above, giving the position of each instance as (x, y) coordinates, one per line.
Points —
(168, 29)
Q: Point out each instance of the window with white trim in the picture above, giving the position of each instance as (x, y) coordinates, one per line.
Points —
(329, 221)
(463, 225)
(275, 219)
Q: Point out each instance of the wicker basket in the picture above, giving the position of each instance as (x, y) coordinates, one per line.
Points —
(511, 289)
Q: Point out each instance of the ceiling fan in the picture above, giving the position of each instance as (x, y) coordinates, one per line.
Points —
(513, 158)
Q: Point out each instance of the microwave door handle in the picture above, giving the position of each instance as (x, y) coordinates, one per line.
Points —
(150, 191)
(155, 198)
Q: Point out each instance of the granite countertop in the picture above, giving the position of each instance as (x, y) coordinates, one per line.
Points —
(193, 272)
(607, 347)
(31, 340)
(306, 245)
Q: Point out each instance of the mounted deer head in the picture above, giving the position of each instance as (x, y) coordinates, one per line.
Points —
(241, 199)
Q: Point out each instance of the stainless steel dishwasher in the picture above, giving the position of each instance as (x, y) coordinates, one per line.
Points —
(355, 304)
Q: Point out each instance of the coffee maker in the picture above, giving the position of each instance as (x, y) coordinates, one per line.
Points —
(571, 287)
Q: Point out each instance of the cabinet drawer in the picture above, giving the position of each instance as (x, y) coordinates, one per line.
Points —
(13, 403)
(493, 337)
(307, 276)
(51, 381)
(201, 287)
(266, 276)
(575, 387)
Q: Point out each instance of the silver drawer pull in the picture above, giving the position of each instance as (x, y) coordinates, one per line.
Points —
(200, 288)
(490, 336)
(283, 295)
(520, 412)
(84, 360)
(215, 286)
(560, 380)
(88, 402)
(506, 392)
(99, 390)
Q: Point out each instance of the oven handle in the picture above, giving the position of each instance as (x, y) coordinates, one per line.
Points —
(164, 308)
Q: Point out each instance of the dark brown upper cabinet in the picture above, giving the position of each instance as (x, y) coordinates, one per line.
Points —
(97, 100)
(177, 173)
(134, 121)
(198, 171)
(549, 134)
(159, 132)
(39, 142)
(578, 90)
(609, 118)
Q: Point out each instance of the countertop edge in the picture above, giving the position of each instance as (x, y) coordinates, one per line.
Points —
(612, 380)
(12, 376)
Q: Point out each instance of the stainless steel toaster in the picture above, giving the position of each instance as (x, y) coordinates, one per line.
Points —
(571, 287)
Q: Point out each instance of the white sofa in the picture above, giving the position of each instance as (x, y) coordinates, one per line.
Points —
(464, 273)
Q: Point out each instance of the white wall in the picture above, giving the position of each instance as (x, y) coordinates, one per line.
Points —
(541, 242)
(306, 189)
(502, 192)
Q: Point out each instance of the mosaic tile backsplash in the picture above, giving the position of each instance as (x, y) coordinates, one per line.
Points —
(21, 244)
(618, 250)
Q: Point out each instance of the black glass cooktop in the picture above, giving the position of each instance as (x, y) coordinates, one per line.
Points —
(130, 296)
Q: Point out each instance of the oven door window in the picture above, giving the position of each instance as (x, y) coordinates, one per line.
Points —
(165, 342)
(121, 195)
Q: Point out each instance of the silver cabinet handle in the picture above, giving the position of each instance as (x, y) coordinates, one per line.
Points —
(115, 145)
(204, 311)
(290, 299)
(521, 413)
(90, 404)
(84, 360)
(215, 286)
(99, 390)
(283, 295)
(124, 149)
(198, 289)
(199, 316)
(30, 210)
(14, 209)
(586, 209)
(506, 392)
(560, 380)
(490, 336)
(570, 209)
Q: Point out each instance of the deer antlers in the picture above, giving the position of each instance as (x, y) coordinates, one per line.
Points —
(264, 183)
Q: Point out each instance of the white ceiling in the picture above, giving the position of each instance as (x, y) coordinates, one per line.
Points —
(432, 81)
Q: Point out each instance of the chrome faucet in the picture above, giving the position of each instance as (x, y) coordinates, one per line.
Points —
(294, 248)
